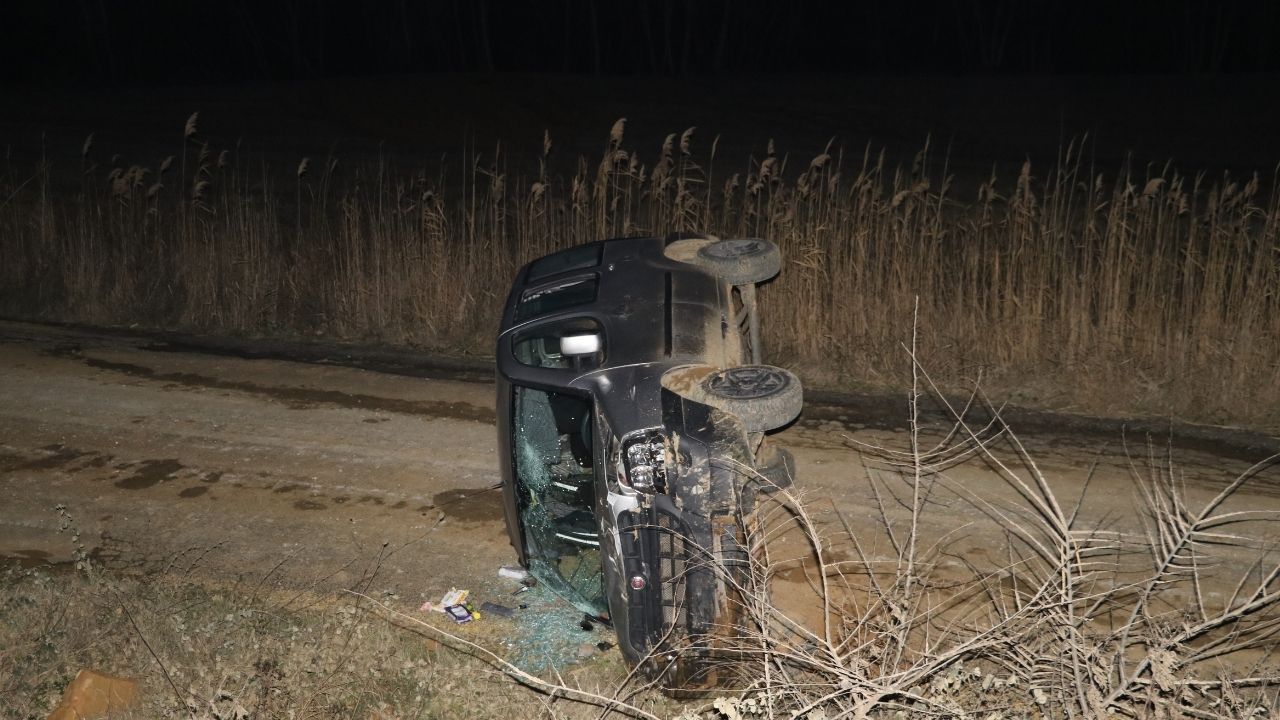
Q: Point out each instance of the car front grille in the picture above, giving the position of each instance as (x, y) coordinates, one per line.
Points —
(672, 572)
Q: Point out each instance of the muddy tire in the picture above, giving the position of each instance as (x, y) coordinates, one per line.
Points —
(777, 467)
(763, 397)
(739, 261)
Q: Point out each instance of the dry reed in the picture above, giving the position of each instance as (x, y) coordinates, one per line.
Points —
(1129, 291)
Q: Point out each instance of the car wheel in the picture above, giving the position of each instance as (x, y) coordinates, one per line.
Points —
(777, 467)
(741, 261)
(763, 397)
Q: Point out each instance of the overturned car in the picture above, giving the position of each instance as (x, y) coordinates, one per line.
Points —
(632, 412)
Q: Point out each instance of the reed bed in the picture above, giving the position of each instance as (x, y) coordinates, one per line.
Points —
(1131, 290)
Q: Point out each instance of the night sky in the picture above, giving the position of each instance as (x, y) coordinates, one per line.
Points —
(104, 43)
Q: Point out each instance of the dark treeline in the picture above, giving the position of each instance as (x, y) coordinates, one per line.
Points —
(110, 42)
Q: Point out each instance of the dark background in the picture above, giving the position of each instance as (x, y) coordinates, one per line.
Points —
(113, 42)
(988, 84)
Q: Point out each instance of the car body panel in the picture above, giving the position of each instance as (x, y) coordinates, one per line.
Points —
(654, 314)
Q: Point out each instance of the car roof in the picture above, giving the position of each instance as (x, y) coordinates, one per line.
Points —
(654, 313)
(650, 308)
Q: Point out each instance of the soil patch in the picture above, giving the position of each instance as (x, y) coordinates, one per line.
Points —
(149, 473)
(294, 397)
(471, 504)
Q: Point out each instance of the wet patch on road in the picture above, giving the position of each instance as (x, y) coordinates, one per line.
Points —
(470, 504)
(293, 397)
(149, 473)
(27, 559)
(59, 456)
(97, 462)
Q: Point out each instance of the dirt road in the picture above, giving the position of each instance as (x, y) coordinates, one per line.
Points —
(315, 476)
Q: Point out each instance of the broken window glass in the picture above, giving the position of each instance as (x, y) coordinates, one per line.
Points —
(555, 475)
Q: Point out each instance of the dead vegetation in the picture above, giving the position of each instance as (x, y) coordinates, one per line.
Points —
(1078, 620)
(1075, 617)
(1100, 290)
(211, 648)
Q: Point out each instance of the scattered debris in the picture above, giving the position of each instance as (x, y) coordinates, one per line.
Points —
(545, 635)
(455, 605)
(461, 613)
(513, 572)
(92, 694)
(496, 609)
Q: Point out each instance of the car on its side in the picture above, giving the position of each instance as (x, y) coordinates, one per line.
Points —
(632, 412)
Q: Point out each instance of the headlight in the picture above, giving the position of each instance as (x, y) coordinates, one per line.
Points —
(646, 463)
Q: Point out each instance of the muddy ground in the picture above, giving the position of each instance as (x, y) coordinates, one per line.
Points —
(321, 476)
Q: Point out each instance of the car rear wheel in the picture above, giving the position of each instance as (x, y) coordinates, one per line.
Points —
(738, 261)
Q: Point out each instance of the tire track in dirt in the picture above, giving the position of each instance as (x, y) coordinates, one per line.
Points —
(298, 398)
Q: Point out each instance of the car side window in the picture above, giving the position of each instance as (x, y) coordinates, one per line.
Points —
(574, 344)
(560, 296)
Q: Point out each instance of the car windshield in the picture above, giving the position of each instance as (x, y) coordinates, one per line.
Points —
(555, 474)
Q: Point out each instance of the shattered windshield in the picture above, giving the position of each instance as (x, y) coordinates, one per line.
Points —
(555, 477)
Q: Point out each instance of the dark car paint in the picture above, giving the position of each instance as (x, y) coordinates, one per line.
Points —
(654, 314)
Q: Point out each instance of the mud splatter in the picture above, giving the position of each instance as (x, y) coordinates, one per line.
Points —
(370, 499)
(470, 504)
(149, 473)
(212, 477)
(288, 488)
(196, 491)
(309, 505)
(400, 505)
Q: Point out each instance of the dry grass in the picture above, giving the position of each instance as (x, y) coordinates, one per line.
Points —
(1098, 290)
(1077, 620)
(215, 649)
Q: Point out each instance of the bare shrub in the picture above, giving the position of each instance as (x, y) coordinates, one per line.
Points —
(1077, 621)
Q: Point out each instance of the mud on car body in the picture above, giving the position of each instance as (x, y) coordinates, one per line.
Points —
(632, 408)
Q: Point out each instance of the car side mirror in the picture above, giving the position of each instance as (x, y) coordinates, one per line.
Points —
(580, 344)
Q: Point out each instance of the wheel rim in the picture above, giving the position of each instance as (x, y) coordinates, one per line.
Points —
(734, 249)
(748, 383)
